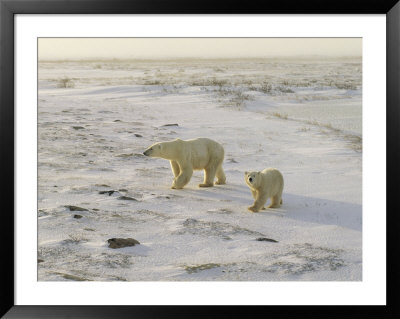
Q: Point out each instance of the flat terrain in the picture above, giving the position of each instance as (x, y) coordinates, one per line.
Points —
(95, 119)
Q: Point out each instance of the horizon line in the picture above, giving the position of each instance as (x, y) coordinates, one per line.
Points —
(115, 59)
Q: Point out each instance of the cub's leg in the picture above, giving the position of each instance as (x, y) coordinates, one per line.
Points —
(254, 193)
(258, 203)
(221, 179)
(276, 201)
(183, 178)
(175, 168)
(209, 175)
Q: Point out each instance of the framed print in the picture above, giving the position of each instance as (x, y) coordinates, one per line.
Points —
(166, 154)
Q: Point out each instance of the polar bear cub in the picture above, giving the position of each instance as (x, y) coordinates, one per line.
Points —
(263, 185)
(186, 156)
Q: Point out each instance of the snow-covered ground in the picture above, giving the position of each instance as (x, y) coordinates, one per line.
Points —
(301, 116)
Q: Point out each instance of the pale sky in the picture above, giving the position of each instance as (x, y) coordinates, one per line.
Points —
(153, 48)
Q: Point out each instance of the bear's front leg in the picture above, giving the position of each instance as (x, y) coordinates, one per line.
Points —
(183, 178)
(254, 193)
(175, 168)
(258, 203)
(253, 209)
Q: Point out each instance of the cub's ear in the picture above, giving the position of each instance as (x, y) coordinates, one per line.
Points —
(245, 173)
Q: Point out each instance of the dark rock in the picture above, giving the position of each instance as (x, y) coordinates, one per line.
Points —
(266, 239)
(117, 120)
(107, 192)
(95, 209)
(40, 260)
(122, 190)
(76, 208)
(190, 222)
(138, 135)
(102, 185)
(174, 124)
(77, 216)
(78, 127)
(122, 242)
(127, 198)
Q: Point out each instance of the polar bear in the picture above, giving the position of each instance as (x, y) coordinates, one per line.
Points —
(189, 155)
(263, 185)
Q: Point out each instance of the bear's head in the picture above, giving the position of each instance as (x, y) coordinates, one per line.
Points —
(252, 179)
(155, 150)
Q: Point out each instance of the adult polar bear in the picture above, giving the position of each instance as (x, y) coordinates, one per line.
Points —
(189, 155)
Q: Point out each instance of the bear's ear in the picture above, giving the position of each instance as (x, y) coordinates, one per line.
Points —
(245, 173)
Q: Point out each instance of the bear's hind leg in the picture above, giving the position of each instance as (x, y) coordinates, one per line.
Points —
(276, 201)
(221, 179)
(209, 175)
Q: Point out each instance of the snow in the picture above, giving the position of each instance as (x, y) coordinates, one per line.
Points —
(303, 117)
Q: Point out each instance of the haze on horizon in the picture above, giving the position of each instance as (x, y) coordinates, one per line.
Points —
(159, 48)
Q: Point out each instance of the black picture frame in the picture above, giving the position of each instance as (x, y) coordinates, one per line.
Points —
(8, 10)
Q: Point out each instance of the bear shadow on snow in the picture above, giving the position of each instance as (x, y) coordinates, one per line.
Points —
(232, 193)
(319, 210)
(297, 207)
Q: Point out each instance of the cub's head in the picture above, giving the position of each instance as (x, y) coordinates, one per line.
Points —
(155, 150)
(252, 179)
